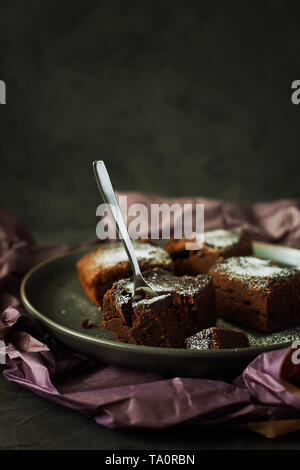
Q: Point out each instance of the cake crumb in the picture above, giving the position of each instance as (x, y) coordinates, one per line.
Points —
(87, 323)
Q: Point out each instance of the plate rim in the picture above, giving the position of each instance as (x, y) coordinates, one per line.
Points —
(255, 350)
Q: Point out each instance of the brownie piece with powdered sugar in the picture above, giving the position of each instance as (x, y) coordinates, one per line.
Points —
(99, 269)
(217, 338)
(182, 306)
(257, 293)
(216, 244)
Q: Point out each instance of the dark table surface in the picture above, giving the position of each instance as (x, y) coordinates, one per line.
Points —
(30, 422)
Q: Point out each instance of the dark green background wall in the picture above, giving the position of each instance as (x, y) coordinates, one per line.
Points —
(178, 97)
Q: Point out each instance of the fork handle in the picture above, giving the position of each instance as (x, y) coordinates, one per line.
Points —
(108, 194)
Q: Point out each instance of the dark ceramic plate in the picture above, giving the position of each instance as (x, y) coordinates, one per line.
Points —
(52, 293)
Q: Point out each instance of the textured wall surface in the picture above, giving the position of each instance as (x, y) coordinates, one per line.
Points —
(179, 98)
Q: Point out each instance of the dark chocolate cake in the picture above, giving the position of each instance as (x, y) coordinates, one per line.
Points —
(217, 338)
(257, 293)
(182, 306)
(217, 243)
(99, 269)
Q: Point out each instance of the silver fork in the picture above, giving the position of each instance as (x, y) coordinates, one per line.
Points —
(108, 194)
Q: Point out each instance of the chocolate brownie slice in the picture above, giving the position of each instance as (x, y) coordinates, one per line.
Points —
(98, 270)
(182, 306)
(257, 293)
(217, 338)
(217, 243)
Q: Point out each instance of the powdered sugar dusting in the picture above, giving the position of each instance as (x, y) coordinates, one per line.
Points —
(153, 300)
(202, 340)
(186, 285)
(164, 282)
(260, 339)
(254, 269)
(145, 252)
(222, 238)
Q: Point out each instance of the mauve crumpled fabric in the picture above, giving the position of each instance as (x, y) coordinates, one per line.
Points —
(117, 397)
(275, 222)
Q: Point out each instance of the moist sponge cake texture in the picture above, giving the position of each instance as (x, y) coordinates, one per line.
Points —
(217, 243)
(182, 307)
(257, 293)
(99, 269)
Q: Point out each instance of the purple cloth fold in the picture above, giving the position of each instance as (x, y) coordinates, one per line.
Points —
(117, 397)
(274, 222)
